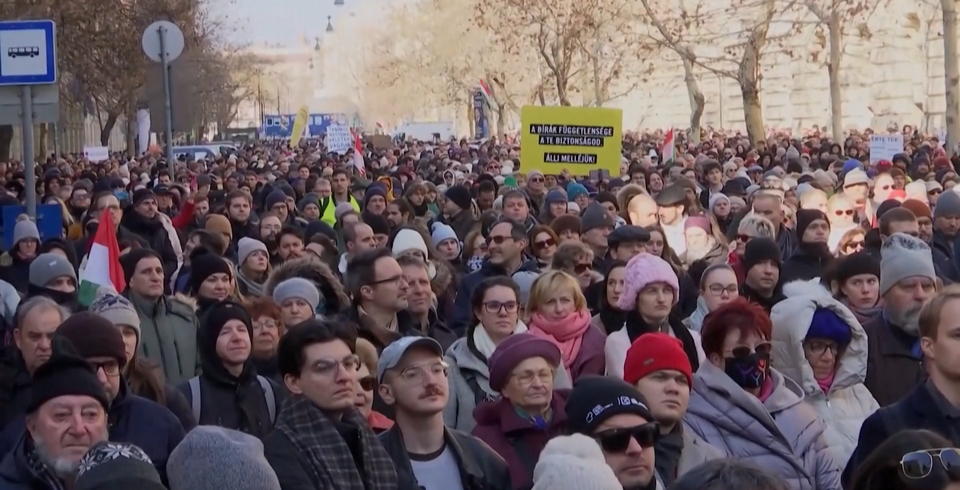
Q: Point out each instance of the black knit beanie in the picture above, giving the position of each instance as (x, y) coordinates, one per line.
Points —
(855, 265)
(805, 217)
(92, 335)
(65, 374)
(758, 250)
(204, 266)
(129, 261)
(216, 316)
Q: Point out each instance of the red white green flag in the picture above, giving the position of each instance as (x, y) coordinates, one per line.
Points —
(103, 263)
(669, 148)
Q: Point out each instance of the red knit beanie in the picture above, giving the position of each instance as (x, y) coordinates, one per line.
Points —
(654, 352)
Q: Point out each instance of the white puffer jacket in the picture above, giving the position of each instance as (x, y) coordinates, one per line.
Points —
(848, 403)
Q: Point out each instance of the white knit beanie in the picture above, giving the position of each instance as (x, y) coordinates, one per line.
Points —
(573, 462)
(903, 256)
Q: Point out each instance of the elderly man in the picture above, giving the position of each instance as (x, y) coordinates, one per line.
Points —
(66, 416)
(908, 280)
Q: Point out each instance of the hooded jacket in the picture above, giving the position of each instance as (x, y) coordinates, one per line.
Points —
(333, 298)
(469, 380)
(168, 336)
(848, 402)
(460, 318)
(783, 435)
(232, 402)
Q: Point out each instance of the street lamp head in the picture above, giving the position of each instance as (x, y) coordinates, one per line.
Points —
(329, 25)
(338, 2)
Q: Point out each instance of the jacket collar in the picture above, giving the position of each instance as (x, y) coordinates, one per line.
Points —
(511, 421)
(393, 442)
(893, 341)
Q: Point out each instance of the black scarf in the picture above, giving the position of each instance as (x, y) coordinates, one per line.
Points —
(667, 449)
(636, 327)
(611, 317)
(332, 464)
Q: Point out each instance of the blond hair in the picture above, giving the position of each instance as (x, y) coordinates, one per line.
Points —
(932, 312)
(757, 226)
(551, 284)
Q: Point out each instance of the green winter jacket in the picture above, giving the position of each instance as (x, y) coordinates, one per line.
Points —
(168, 336)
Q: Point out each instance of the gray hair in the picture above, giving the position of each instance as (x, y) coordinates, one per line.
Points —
(723, 474)
(757, 225)
(41, 303)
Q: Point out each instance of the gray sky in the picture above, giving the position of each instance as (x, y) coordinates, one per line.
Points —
(277, 21)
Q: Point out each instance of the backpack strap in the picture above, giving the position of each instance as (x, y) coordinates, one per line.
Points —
(479, 394)
(194, 384)
(270, 396)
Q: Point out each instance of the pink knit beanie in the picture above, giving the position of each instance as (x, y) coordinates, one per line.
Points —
(643, 270)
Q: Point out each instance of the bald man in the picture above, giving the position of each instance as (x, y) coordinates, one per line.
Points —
(642, 210)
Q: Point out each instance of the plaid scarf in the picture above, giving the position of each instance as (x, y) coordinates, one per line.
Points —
(331, 461)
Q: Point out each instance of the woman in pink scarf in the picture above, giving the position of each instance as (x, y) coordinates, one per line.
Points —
(558, 312)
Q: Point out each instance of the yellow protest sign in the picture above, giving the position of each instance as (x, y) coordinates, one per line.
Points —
(299, 124)
(578, 139)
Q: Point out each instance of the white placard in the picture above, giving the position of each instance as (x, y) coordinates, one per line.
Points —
(339, 138)
(885, 146)
(96, 154)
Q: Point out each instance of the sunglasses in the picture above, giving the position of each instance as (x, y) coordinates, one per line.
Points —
(841, 212)
(545, 243)
(919, 464)
(581, 268)
(616, 441)
(536, 179)
(743, 351)
(499, 239)
(368, 383)
(744, 238)
(857, 245)
(934, 192)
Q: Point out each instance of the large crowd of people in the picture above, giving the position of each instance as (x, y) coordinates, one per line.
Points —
(747, 316)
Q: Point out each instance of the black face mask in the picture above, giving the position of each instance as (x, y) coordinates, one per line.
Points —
(748, 372)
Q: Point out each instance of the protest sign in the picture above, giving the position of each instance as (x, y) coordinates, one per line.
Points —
(885, 146)
(577, 139)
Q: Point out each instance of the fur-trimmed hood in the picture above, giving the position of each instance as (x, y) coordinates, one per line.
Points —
(443, 281)
(317, 272)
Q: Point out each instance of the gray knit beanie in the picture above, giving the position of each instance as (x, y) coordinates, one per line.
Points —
(118, 310)
(49, 266)
(903, 256)
(214, 458)
(297, 287)
(948, 204)
(25, 229)
(247, 246)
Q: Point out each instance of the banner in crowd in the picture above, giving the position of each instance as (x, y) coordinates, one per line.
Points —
(299, 124)
(577, 139)
(96, 154)
(885, 146)
(49, 222)
(339, 139)
(481, 130)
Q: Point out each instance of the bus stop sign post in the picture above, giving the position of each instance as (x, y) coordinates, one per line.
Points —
(163, 42)
(28, 91)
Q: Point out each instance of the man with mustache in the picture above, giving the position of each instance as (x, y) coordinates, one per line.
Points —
(908, 280)
(413, 379)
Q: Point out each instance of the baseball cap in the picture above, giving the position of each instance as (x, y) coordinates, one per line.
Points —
(854, 177)
(161, 190)
(394, 352)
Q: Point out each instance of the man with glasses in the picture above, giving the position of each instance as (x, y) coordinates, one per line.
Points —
(856, 186)
(320, 439)
(379, 289)
(133, 419)
(505, 244)
(618, 417)
(413, 379)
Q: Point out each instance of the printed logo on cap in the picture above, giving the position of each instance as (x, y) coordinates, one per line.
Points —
(623, 401)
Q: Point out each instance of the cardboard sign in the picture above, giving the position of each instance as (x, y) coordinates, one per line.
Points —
(96, 154)
(339, 138)
(885, 146)
(577, 139)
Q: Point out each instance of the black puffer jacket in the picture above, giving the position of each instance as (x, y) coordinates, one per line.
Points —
(333, 298)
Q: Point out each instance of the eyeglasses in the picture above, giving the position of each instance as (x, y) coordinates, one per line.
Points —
(719, 289)
(581, 268)
(545, 243)
(820, 348)
(841, 212)
(536, 179)
(496, 306)
(744, 238)
(742, 351)
(368, 383)
(616, 441)
(919, 464)
(110, 368)
(397, 280)
(265, 324)
(414, 374)
(934, 192)
(526, 378)
(328, 366)
(499, 239)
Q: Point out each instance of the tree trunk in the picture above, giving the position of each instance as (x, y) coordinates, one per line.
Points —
(541, 96)
(132, 128)
(44, 136)
(752, 111)
(596, 76)
(951, 76)
(562, 91)
(6, 138)
(697, 100)
(501, 121)
(833, 70)
(108, 128)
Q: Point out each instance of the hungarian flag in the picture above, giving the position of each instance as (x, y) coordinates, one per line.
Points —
(668, 149)
(487, 93)
(358, 153)
(102, 264)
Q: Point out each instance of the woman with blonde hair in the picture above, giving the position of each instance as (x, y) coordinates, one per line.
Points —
(367, 385)
(752, 226)
(557, 311)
